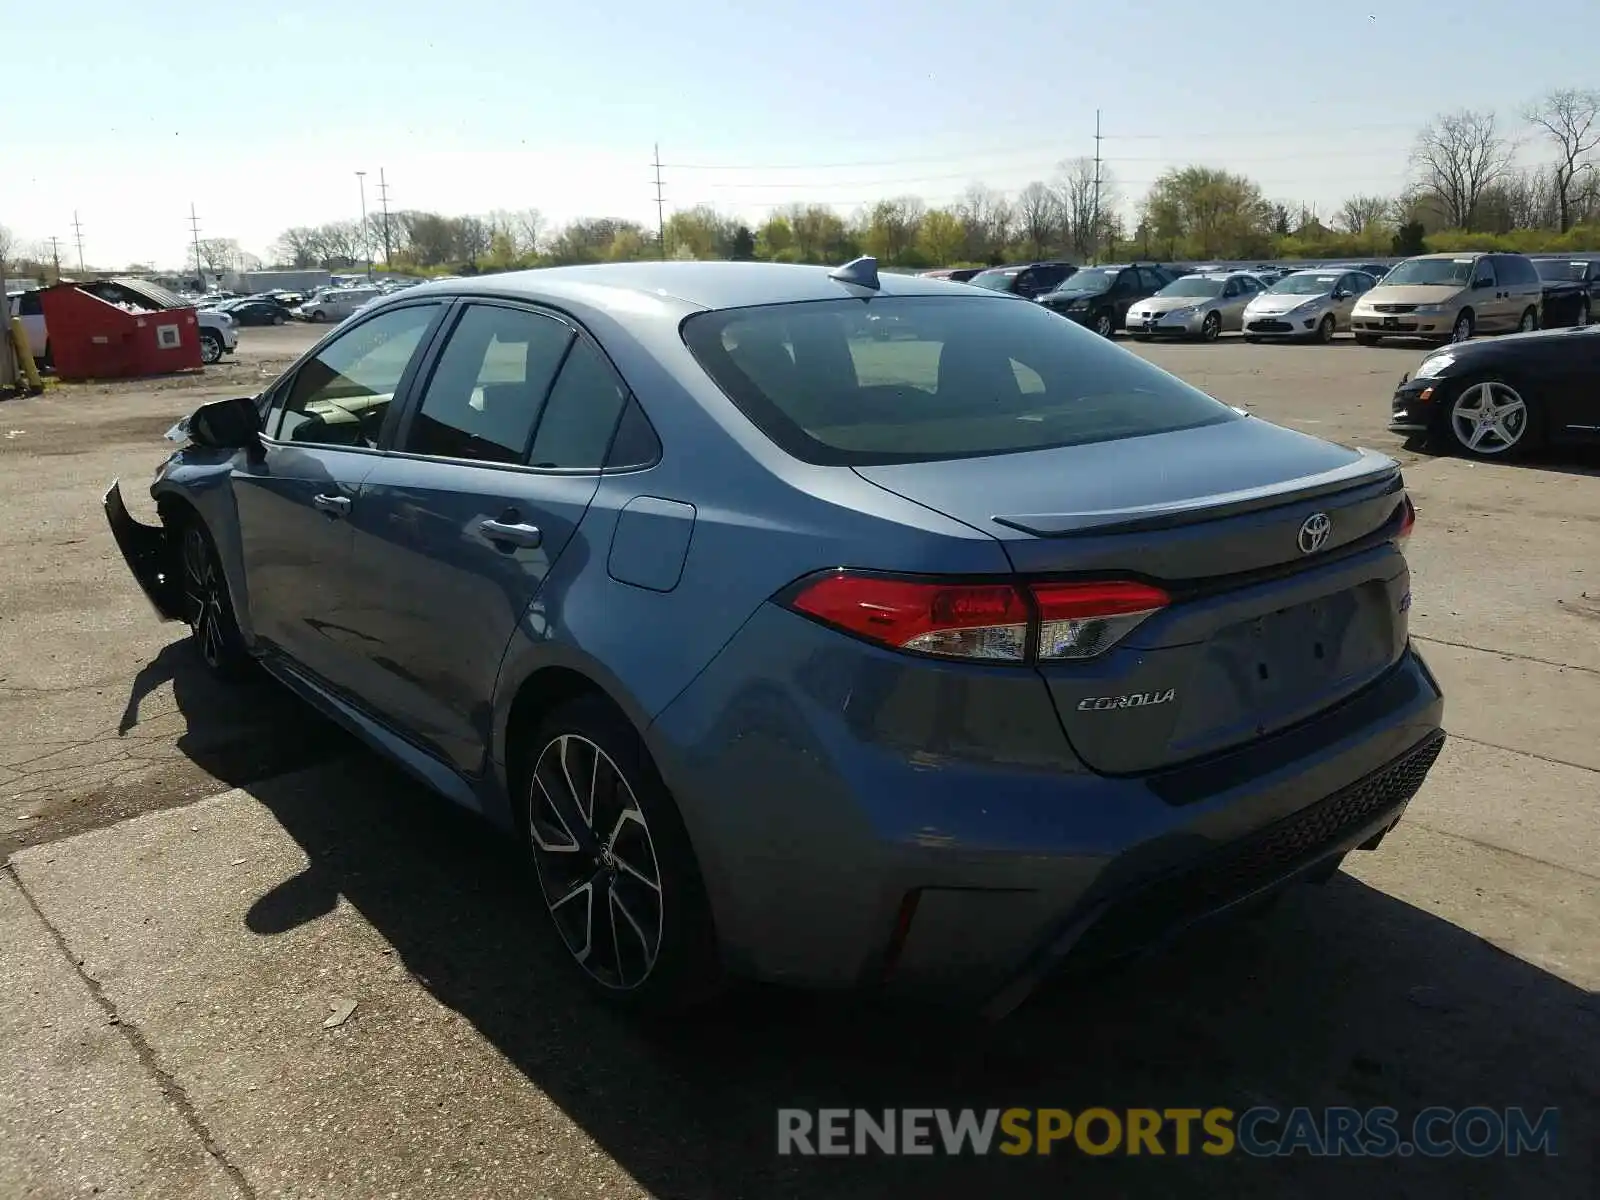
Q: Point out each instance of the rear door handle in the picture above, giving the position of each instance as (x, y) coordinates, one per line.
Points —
(511, 533)
(334, 506)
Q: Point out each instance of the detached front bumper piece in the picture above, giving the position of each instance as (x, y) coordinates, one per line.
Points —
(150, 555)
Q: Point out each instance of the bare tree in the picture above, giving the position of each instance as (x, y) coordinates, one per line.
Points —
(1075, 194)
(1570, 118)
(527, 227)
(1038, 217)
(1458, 156)
(218, 254)
(1359, 212)
(8, 243)
(987, 216)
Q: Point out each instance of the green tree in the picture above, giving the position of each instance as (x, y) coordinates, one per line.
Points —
(776, 237)
(743, 245)
(701, 231)
(942, 237)
(1211, 213)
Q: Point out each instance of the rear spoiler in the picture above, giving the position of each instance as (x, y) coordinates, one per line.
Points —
(1371, 470)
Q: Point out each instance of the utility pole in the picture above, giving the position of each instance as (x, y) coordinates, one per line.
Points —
(10, 369)
(366, 242)
(199, 267)
(383, 199)
(661, 208)
(55, 255)
(77, 232)
(1094, 221)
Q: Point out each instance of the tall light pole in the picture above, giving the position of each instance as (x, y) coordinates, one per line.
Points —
(366, 245)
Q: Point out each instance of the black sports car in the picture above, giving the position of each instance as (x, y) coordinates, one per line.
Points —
(1494, 399)
(1571, 288)
(255, 312)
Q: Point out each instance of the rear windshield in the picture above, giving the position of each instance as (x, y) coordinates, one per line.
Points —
(1560, 270)
(916, 379)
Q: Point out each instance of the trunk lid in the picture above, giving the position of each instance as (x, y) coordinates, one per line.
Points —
(1262, 632)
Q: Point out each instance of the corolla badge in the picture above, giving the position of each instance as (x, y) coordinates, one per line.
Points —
(1314, 533)
(1132, 700)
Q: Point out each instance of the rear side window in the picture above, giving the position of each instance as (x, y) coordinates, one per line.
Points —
(960, 378)
(489, 386)
(582, 414)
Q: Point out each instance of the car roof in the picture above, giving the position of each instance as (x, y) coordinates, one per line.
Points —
(1459, 254)
(704, 285)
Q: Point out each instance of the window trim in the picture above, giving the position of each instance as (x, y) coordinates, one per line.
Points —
(284, 385)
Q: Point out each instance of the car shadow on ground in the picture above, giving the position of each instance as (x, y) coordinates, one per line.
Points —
(1558, 460)
(1339, 995)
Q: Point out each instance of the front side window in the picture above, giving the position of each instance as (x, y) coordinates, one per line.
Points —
(340, 396)
(963, 377)
(489, 387)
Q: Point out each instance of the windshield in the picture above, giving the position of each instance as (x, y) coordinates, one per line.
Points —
(1192, 285)
(1091, 279)
(1439, 272)
(996, 281)
(1304, 285)
(959, 377)
(1560, 270)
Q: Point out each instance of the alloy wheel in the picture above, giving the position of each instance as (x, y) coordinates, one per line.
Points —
(1102, 325)
(210, 348)
(1489, 418)
(596, 862)
(1462, 330)
(1325, 329)
(1211, 327)
(202, 589)
(1528, 323)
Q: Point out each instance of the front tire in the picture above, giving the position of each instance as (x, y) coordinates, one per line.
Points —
(615, 870)
(277, 318)
(1461, 331)
(1103, 325)
(1325, 329)
(210, 347)
(1489, 419)
(1211, 327)
(208, 607)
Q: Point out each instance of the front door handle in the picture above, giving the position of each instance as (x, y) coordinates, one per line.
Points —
(512, 533)
(334, 506)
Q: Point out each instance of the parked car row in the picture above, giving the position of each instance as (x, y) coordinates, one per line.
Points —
(1445, 297)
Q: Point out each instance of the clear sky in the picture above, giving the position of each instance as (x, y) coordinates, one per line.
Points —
(261, 111)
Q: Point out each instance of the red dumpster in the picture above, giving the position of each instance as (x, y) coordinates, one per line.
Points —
(111, 329)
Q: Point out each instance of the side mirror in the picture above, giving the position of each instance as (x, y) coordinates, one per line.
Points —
(1342, 294)
(226, 424)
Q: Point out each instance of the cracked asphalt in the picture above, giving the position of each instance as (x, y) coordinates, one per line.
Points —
(197, 877)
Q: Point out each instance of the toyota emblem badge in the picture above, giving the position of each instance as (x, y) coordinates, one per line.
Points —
(1314, 533)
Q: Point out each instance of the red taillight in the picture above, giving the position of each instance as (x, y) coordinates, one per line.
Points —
(988, 621)
(1408, 518)
(958, 620)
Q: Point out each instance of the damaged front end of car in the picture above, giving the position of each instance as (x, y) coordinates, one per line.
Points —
(150, 553)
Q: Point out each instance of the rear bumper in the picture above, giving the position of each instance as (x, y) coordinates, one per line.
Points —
(860, 824)
(150, 555)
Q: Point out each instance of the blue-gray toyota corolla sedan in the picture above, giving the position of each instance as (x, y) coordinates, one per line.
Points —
(814, 626)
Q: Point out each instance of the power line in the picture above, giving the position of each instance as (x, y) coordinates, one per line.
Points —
(194, 223)
(383, 200)
(1045, 149)
(661, 207)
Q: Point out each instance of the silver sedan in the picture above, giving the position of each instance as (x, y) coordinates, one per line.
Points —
(1196, 306)
(1306, 304)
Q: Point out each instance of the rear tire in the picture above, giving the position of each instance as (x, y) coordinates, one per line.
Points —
(210, 347)
(277, 318)
(615, 869)
(1584, 315)
(1529, 321)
